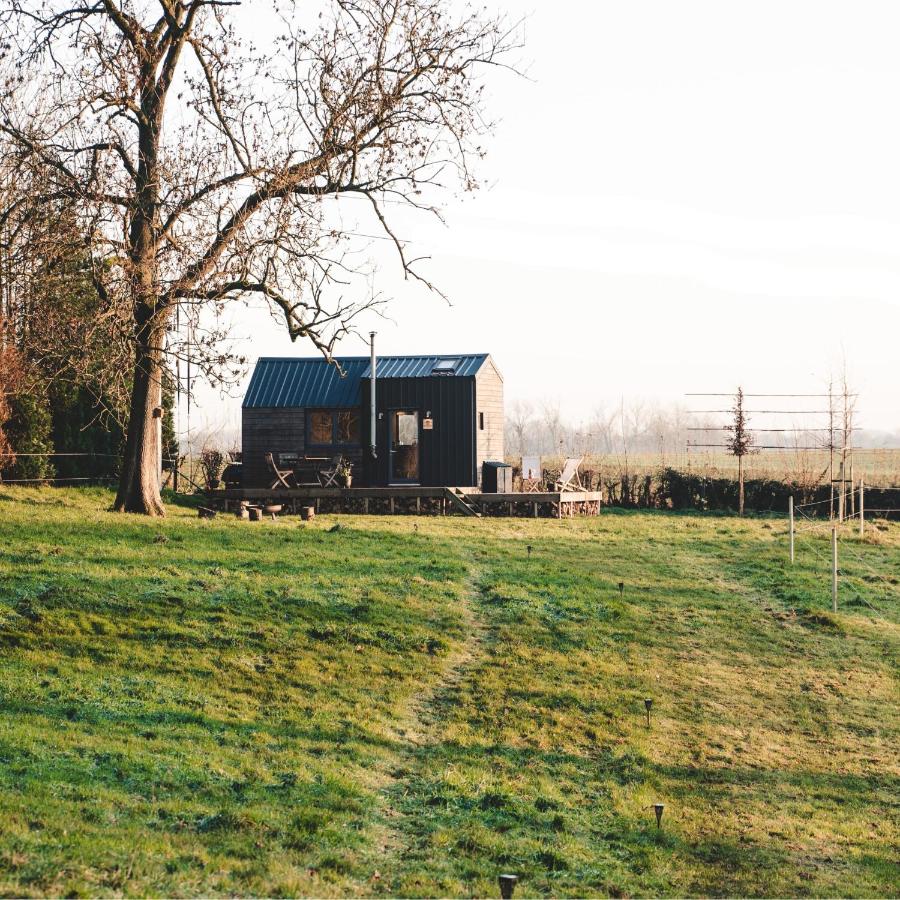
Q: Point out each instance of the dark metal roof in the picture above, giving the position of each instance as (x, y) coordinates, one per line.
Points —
(290, 381)
(422, 366)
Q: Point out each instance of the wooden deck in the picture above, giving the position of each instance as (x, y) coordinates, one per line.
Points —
(405, 499)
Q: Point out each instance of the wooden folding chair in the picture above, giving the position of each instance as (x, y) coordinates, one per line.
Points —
(568, 479)
(281, 478)
(328, 476)
(532, 474)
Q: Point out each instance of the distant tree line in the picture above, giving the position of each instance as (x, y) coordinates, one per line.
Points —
(637, 427)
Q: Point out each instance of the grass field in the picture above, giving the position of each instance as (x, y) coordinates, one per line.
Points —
(382, 706)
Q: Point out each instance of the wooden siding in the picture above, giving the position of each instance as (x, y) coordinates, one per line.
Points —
(269, 431)
(489, 403)
(281, 430)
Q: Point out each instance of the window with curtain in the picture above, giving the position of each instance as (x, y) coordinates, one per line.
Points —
(321, 427)
(332, 427)
(348, 427)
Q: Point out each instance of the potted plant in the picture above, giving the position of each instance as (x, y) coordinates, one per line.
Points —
(211, 461)
(345, 472)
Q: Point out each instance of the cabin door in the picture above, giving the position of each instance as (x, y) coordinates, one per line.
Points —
(404, 455)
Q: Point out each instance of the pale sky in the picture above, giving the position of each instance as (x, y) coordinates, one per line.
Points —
(685, 196)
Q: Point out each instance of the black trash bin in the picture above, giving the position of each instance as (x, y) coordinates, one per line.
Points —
(496, 478)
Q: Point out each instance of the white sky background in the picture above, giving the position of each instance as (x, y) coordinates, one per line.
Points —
(685, 196)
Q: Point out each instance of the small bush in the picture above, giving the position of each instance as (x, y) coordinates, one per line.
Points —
(212, 462)
(29, 432)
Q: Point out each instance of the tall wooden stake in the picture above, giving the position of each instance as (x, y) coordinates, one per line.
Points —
(841, 493)
(834, 570)
(831, 450)
(791, 514)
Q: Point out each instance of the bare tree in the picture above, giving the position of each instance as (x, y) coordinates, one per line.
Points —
(554, 427)
(520, 423)
(198, 165)
(624, 434)
(602, 425)
(847, 427)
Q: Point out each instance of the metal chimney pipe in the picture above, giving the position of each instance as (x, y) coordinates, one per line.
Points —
(372, 441)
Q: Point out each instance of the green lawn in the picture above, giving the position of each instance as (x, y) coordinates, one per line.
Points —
(399, 705)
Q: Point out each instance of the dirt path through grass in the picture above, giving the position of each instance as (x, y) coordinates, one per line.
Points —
(422, 721)
(419, 731)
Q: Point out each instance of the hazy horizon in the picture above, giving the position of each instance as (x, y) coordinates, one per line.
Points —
(682, 198)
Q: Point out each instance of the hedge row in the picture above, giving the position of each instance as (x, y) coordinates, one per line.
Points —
(670, 488)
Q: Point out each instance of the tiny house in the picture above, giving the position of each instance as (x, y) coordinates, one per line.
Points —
(436, 418)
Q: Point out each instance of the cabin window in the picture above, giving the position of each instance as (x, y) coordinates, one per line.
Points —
(320, 426)
(348, 427)
(332, 427)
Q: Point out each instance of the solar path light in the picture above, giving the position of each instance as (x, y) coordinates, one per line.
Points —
(648, 703)
(507, 885)
(530, 548)
(658, 809)
(621, 588)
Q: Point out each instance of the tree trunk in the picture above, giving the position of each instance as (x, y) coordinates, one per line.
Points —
(139, 482)
(740, 485)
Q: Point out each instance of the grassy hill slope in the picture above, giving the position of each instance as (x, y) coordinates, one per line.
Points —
(409, 706)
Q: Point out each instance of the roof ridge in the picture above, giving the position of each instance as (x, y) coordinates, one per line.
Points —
(378, 356)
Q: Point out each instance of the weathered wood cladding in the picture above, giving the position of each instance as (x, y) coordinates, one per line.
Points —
(280, 431)
(269, 431)
(447, 452)
(489, 413)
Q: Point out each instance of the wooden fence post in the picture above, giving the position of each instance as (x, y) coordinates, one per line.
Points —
(862, 507)
(834, 570)
(791, 514)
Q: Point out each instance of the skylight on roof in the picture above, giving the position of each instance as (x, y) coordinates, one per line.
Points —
(445, 366)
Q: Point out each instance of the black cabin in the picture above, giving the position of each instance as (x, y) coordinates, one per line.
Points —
(437, 418)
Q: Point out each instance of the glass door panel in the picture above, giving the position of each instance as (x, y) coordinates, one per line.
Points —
(405, 446)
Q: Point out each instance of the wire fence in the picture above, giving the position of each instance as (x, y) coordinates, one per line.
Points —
(187, 470)
(843, 548)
